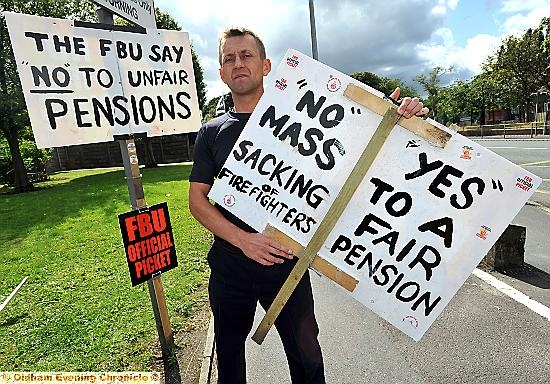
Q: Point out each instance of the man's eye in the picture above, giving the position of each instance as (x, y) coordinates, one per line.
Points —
(228, 60)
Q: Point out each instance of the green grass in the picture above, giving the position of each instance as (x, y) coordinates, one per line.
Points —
(78, 310)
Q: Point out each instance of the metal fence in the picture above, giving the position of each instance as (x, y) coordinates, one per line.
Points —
(508, 129)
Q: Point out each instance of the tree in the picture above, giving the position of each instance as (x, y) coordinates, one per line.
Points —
(487, 93)
(431, 83)
(383, 84)
(13, 111)
(453, 102)
(521, 65)
(218, 106)
(209, 111)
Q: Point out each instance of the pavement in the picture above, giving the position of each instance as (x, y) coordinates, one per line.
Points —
(483, 336)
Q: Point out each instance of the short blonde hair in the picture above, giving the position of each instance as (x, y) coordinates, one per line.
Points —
(232, 32)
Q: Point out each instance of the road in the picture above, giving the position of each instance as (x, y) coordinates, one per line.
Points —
(483, 336)
(533, 155)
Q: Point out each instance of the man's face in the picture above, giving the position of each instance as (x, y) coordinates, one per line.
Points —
(242, 68)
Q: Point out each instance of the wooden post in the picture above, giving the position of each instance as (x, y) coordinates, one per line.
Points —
(12, 295)
(329, 221)
(188, 142)
(390, 118)
(137, 199)
(162, 319)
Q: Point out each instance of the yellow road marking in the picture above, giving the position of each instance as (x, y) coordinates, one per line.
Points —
(535, 163)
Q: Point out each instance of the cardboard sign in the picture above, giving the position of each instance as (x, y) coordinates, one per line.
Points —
(140, 12)
(422, 218)
(84, 85)
(148, 242)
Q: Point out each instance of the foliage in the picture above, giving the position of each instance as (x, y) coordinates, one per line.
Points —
(431, 83)
(470, 98)
(383, 84)
(34, 159)
(521, 64)
(510, 79)
(454, 102)
(209, 110)
(78, 310)
(73, 9)
(13, 116)
(199, 79)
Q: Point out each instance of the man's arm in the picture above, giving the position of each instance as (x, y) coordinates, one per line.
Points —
(254, 245)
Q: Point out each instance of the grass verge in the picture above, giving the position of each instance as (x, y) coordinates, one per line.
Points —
(78, 311)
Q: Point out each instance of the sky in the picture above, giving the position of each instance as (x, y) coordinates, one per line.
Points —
(396, 38)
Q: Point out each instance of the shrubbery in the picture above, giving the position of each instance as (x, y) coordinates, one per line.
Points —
(34, 159)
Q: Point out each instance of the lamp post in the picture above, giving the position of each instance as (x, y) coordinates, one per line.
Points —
(544, 110)
(536, 94)
(313, 31)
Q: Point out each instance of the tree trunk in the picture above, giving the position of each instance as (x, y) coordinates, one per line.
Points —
(22, 183)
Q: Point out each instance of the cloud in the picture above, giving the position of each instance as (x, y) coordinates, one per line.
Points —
(515, 6)
(467, 60)
(443, 6)
(519, 22)
(443, 51)
(398, 39)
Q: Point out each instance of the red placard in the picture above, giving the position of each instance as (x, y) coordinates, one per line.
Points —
(148, 242)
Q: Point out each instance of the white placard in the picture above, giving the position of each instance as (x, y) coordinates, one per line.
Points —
(140, 12)
(84, 85)
(419, 223)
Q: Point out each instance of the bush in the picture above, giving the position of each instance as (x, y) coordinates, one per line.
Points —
(34, 159)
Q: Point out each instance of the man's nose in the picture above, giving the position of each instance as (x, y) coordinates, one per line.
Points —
(238, 62)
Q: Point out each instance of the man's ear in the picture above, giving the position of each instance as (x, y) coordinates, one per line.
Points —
(267, 67)
(221, 74)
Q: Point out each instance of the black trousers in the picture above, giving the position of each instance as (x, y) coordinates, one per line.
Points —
(233, 301)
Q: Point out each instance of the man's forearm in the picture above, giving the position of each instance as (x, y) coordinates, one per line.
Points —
(254, 245)
(212, 219)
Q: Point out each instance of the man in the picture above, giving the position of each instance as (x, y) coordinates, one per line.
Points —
(247, 267)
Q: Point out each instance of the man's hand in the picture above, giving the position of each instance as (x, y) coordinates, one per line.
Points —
(256, 246)
(264, 250)
(409, 107)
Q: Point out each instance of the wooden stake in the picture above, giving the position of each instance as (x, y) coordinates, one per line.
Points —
(162, 319)
(12, 295)
(319, 264)
(329, 221)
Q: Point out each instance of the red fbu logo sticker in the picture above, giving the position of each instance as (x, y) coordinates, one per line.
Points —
(466, 153)
(281, 84)
(334, 84)
(292, 61)
(229, 200)
(526, 183)
(483, 232)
